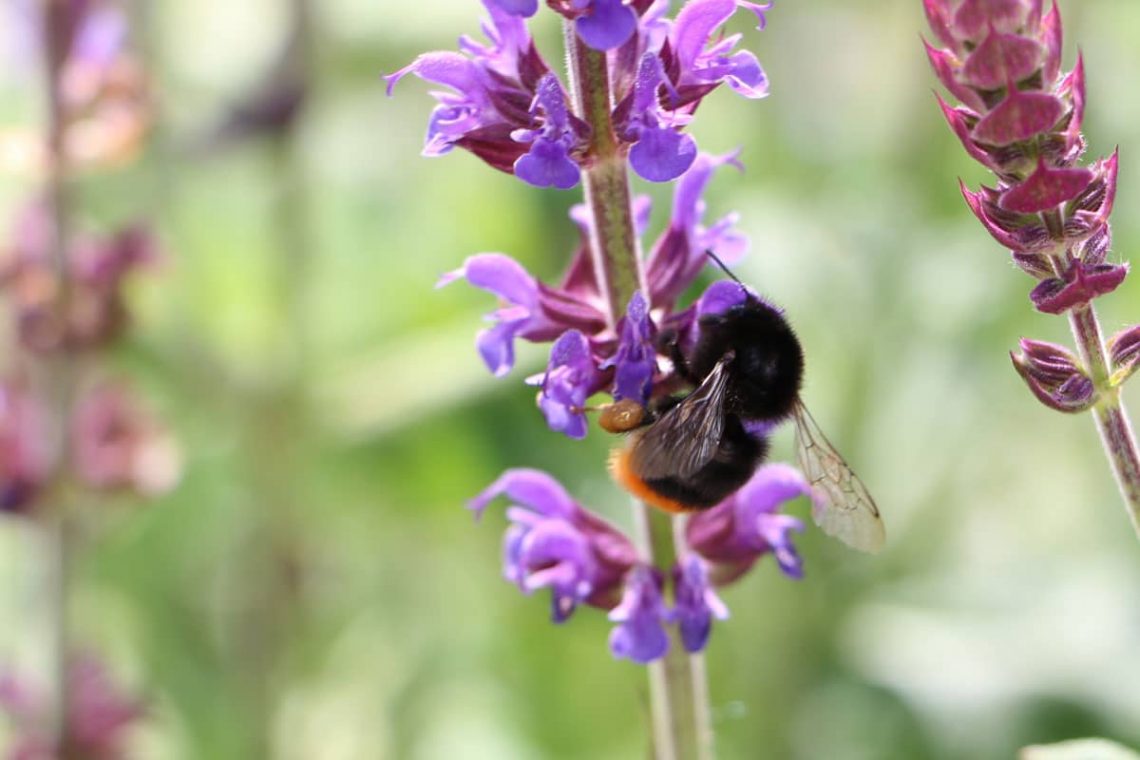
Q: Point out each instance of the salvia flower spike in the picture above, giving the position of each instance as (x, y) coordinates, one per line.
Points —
(635, 80)
(1020, 116)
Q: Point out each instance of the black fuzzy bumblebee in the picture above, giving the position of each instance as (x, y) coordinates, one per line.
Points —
(691, 452)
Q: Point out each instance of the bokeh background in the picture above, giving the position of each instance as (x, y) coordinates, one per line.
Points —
(315, 589)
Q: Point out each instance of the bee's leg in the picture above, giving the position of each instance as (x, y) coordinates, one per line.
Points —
(669, 342)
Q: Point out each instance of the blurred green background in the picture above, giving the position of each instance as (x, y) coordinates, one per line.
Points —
(314, 588)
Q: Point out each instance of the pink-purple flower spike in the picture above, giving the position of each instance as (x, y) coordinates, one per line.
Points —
(1020, 116)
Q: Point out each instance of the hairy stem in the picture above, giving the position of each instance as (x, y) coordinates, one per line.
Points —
(1111, 417)
(1109, 413)
(678, 690)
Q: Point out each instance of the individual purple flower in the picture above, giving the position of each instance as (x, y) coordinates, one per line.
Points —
(733, 535)
(547, 163)
(531, 310)
(635, 361)
(555, 543)
(601, 24)
(696, 603)
(119, 444)
(660, 152)
(640, 634)
(702, 65)
(100, 715)
(679, 254)
(491, 110)
(571, 377)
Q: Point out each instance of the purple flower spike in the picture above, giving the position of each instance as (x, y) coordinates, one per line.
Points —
(640, 635)
(744, 527)
(571, 377)
(555, 543)
(607, 24)
(636, 357)
(547, 163)
(696, 604)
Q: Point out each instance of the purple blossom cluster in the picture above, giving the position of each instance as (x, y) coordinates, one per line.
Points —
(1020, 116)
(504, 103)
(555, 543)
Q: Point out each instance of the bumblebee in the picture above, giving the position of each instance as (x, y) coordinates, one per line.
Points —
(690, 452)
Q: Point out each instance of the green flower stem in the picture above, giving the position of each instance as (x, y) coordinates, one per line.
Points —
(605, 179)
(1109, 413)
(677, 684)
(1111, 417)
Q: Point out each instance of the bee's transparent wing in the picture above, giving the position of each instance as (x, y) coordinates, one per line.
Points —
(842, 506)
(688, 435)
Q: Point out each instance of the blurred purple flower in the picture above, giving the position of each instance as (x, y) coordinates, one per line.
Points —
(119, 444)
(733, 535)
(555, 543)
(99, 268)
(100, 715)
(640, 634)
(696, 603)
(25, 453)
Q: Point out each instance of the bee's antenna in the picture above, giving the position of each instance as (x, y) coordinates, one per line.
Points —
(721, 264)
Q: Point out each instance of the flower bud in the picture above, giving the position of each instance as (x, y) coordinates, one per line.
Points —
(1124, 354)
(1055, 376)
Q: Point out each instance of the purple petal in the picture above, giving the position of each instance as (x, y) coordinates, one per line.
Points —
(746, 76)
(721, 296)
(770, 487)
(636, 357)
(694, 26)
(571, 377)
(662, 154)
(496, 346)
(640, 635)
(696, 604)
(547, 165)
(608, 25)
(524, 8)
(687, 203)
(503, 276)
(530, 488)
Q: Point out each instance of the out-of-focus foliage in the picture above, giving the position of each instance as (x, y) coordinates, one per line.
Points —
(314, 588)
